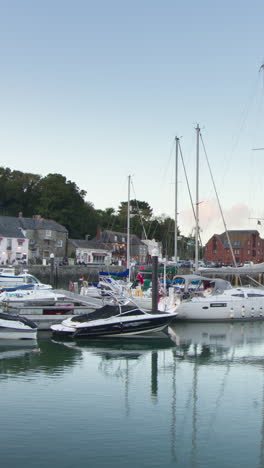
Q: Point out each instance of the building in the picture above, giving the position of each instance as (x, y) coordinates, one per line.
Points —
(13, 242)
(85, 251)
(42, 237)
(117, 241)
(246, 246)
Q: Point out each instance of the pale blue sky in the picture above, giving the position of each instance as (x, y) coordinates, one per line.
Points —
(99, 90)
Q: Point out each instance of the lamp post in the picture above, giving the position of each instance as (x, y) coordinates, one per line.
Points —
(52, 269)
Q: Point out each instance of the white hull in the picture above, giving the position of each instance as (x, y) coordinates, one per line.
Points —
(17, 334)
(224, 307)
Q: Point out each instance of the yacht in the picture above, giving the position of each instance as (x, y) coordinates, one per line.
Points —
(208, 299)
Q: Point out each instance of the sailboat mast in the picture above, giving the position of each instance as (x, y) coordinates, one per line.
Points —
(176, 201)
(128, 228)
(197, 199)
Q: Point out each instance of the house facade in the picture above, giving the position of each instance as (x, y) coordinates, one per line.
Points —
(42, 237)
(247, 245)
(86, 251)
(117, 241)
(14, 246)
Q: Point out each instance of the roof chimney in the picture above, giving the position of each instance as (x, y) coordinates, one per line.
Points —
(98, 234)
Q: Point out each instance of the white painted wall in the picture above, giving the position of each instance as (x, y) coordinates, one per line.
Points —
(18, 251)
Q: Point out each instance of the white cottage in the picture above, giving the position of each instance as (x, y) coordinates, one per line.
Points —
(13, 243)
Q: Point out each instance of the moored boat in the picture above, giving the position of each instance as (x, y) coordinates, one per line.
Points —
(16, 327)
(216, 300)
(113, 320)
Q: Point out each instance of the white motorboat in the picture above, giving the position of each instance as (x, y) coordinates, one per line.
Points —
(8, 278)
(20, 297)
(16, 327)
(113, 320)
(109, 290)
(216, 300)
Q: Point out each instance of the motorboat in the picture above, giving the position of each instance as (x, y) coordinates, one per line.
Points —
(113, 320)
(16, 327)
(20, 297)
(8, 278)
(109, 290)
(216, 299)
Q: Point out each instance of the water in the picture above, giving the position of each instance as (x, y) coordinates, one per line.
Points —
(193, 400)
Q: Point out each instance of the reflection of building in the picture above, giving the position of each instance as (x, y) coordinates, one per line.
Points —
(246, 245)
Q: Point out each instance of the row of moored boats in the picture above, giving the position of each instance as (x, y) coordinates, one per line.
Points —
(121, 311)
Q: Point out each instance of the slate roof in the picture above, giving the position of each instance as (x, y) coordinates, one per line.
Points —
(109, 237)
(12, 226)
(237, 238)
(89, 244)
(40, 223)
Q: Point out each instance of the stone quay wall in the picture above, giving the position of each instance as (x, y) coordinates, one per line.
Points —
(62, 275)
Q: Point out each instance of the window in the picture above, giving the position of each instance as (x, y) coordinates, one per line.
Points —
(236, 252)
(248, 252)
(123, 240)
(9, 244)
(115, 238)
(48, 233)
(20, 242)
(255, 295)
(59, 243)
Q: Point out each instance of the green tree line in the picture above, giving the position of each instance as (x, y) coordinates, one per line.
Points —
(55, 197)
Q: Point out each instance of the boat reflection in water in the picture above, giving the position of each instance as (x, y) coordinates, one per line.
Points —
(219, 340)
(113, 347)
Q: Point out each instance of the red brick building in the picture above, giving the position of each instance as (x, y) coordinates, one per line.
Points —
(246, 245)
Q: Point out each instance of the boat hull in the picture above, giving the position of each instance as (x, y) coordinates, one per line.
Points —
(221, 309)
(115, 329)
(17, 334)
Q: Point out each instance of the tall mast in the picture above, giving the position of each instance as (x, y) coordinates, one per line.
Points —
(176, 201)
(128, 228)
(197, 199)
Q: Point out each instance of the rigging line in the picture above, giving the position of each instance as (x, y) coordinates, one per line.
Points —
(243, 117)
(220, 208)
(189, 191)
(140, 217)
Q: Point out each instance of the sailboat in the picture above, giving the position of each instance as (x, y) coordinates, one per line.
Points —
(216, 299)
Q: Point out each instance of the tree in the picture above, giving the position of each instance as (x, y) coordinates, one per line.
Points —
(18, 192)
(61, 200)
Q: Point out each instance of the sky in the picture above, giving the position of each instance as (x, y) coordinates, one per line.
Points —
(98, 91)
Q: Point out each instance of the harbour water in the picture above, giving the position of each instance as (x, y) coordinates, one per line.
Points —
(195, 399)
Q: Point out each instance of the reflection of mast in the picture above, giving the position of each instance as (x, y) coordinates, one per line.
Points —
(195, 398)
(261, 455)
(173, 411)
(154, 374)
